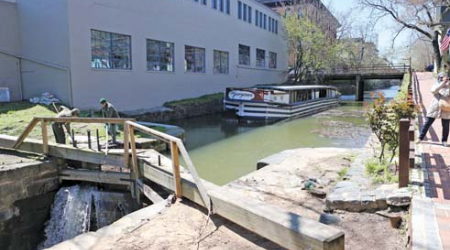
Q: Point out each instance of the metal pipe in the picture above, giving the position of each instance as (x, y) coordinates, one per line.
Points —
(89, 139)
(98, 142)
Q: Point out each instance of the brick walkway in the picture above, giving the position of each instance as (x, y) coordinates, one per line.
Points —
(434, 205)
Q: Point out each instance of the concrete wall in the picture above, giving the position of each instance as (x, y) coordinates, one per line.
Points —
(183, 22)
(10, 44)
(45, 40)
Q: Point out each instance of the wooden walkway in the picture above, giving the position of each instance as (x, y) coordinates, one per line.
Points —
(434, 203)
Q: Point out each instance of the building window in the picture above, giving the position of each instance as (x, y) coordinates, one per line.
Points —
(227, 6)
(265, 21)
(194, 59)
(270, 24)
(160, 56)
(260, 19)
(204, 2)
(244, 55)
(220, 62)
(249, 14)
(272, 60)
(221, 5)
(239, 9)
(214, 4)
(245, 12)
(110, 50)
(256, 18)
(276, 27)
(260, 58)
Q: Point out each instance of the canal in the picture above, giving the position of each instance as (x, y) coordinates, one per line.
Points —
(223, 149)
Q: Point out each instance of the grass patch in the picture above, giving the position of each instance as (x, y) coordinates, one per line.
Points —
(15, 116)
(380, 172)
(342, 173)
(201, 99)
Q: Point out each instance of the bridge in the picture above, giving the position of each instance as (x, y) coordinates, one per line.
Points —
(374, 72)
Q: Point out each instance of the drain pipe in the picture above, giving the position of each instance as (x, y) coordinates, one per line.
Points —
(51, 65)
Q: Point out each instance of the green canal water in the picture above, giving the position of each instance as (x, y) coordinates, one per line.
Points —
(223, 149)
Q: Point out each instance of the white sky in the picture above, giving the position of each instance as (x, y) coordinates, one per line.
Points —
(383, 28)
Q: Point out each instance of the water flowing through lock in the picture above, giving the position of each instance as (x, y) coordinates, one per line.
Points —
(81, 208)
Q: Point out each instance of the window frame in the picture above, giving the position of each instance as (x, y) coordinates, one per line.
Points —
(160, 45)
(240, 56)
(195, 58)
(260, 62)
(110, 46)
(272, 64)
(221, 53)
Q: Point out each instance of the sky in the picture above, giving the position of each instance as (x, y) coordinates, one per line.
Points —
(383, 28)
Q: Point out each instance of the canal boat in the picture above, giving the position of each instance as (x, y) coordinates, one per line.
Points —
(280, 102)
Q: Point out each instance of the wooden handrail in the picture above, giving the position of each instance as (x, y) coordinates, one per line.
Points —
(85, 119)
(177, 144)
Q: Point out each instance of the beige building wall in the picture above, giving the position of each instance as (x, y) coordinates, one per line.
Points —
(45, 48)
(9, 48)
(184, 22)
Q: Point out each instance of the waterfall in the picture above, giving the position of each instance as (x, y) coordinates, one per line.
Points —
(82, 208)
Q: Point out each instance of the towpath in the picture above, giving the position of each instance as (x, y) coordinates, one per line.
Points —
(431, 208)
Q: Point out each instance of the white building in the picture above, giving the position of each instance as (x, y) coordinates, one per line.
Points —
(137, 53)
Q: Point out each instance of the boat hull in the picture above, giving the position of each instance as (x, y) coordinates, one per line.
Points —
(264, 110)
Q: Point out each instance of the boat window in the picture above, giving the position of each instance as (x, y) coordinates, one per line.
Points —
(303, 95)
(322, 93)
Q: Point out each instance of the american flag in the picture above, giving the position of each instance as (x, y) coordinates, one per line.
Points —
(446, 41)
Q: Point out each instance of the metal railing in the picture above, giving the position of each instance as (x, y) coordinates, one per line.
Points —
(381, 69)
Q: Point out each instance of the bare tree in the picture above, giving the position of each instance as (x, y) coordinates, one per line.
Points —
(416, 15)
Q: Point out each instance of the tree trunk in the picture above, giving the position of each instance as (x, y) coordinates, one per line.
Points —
(437, 52)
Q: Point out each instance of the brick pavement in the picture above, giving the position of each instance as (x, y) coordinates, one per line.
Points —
(434, 203)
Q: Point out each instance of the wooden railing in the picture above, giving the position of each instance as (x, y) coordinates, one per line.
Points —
(176, 146)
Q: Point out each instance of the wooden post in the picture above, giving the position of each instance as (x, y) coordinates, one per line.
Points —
(44, 137)
(126, 145)
(403, 171)
(135, 171)
(176, 168)
(25, 133)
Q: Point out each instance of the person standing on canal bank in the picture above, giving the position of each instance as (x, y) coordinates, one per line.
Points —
(108, 111)
(57, 127)
(440, 90)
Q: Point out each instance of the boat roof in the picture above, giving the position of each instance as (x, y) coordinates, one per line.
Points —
(297, 87)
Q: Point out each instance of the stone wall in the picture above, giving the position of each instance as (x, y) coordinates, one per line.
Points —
(179, 111)
(26, 190)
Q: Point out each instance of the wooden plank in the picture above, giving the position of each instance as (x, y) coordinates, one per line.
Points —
(160, 135)
(85, 119)
(136, 171)
(25, 133)
(65, 151)
(282, 227)
(176, 169)
(193, 172)
(44, 137)
(149, 192)
(95, 176)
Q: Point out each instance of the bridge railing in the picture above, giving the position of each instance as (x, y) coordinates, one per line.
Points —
(386, 69)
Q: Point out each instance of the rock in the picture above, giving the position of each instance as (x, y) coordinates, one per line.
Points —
(346, 186)
(329, 219)
(399, 198)
(395, 219)
(318, 193)
(368, 202)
